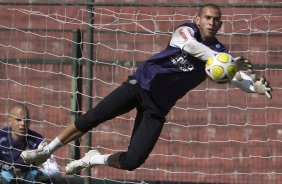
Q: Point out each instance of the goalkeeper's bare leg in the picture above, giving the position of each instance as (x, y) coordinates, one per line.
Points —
(40, 155)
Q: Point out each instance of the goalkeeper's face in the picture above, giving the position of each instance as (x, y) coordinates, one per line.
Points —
(19, 121)
(209, 22)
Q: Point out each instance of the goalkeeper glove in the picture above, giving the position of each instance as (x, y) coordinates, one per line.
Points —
(243, 63)
(261, 86)
(249, 82)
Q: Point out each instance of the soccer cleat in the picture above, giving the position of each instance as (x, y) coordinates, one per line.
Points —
(78, 165)
(35, 157)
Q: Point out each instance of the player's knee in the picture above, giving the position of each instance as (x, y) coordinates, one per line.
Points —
(132, 166)
(131, 163)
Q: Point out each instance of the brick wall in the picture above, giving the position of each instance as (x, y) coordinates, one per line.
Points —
(216, 133)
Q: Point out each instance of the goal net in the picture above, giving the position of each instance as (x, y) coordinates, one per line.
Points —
(214, 134)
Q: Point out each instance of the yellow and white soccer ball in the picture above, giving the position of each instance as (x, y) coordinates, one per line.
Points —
(221, 67)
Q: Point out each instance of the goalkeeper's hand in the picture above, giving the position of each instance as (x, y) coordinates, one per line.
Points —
(243, 63)
(259, 86)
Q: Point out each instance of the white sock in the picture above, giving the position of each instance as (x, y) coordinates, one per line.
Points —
(53, 146)
(99, 159)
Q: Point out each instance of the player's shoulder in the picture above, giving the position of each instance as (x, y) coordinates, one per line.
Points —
(191, 26)
(34, 139)
(34, 135)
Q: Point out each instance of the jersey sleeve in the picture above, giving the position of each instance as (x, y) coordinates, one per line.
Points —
(183, 38)
(244, 84)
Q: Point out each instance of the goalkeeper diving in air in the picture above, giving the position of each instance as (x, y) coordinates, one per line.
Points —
(153, 89)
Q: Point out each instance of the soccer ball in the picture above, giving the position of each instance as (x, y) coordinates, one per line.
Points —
(221, 67)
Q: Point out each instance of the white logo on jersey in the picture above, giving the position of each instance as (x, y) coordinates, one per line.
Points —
(3, 139)
(180, 60)
(132, 81)
(6, 167)
(5, 152)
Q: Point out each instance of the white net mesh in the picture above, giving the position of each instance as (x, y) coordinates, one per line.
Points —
(215, 134)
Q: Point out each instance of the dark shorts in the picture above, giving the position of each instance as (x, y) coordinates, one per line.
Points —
(124, 98)
(148, 122)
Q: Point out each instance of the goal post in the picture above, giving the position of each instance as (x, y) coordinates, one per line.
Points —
(76, 86)
(214, 134)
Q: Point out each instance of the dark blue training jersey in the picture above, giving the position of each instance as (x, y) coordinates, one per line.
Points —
(10, 150)
(170, 74)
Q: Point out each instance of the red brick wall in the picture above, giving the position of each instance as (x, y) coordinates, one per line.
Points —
(215, 133)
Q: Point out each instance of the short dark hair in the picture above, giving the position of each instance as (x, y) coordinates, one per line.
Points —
(210, 5)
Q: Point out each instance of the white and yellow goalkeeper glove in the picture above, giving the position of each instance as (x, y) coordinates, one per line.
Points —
(251, 84)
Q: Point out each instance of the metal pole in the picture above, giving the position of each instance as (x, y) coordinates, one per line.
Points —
(76, 87)
(89, 76)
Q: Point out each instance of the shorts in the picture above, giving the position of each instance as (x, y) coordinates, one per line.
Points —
(123, 99)
(148, 124)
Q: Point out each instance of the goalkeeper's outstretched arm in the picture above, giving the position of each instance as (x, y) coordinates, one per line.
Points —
(251, 84)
